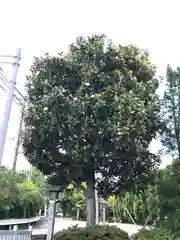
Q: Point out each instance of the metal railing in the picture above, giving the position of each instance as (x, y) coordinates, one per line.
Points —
(16, 234)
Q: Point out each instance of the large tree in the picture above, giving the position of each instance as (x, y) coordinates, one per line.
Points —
(171, 130)
(92, 110)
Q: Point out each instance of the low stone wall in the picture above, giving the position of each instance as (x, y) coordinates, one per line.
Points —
(8, 224)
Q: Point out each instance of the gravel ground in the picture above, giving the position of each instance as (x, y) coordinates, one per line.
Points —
(61, 224)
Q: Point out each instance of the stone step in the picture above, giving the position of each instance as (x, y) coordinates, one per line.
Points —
(39, 237)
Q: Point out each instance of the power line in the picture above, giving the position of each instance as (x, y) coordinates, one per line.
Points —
(6, 88)
(7, 56)
(17, 100)
(4, 79)
(6, 82)
(2, 88)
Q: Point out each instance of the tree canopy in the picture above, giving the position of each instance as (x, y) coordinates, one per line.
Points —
(171, 112)
(92, 110)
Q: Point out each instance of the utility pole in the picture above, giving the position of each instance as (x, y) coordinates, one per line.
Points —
(19, 137)
(4, 125)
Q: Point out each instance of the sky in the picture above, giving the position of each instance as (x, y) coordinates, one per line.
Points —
(50, 26)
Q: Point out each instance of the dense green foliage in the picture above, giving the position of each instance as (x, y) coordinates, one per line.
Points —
(73, 203)
(97, 232)
(95, 110)
(153, 234)
(92, 110)
(18, 196)
(156, 203)
(171, 112)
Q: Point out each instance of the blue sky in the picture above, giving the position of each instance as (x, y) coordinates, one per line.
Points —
(49, 26)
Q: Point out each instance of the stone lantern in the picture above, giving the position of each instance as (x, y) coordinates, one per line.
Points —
(53, 196)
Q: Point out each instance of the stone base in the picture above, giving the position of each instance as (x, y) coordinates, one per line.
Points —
(39, 237)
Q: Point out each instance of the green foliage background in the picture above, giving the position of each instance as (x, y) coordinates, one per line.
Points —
(20, 197)
(156, 203)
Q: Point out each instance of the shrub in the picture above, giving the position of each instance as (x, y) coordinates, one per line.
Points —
(153, 234)
(92, 233)
(171, 222)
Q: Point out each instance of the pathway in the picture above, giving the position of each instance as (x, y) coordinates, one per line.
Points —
(62, 223)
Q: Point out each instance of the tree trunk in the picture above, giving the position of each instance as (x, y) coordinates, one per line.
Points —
(6, 214)
(90, 197)
(24, 215)
(77, 214)
(104, 213)
(114, 215)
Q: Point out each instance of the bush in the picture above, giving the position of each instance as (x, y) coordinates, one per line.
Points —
(171, 222)
(92, 233)
(153, 234)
